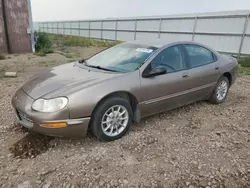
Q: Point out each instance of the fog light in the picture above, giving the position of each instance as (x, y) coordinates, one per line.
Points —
(54, 125)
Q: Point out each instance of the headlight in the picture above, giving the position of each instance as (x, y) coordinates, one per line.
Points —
(51, 105)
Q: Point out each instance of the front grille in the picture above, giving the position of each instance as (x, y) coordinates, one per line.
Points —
(24, 117)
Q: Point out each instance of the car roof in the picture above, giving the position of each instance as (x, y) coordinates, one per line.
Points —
(158, 43)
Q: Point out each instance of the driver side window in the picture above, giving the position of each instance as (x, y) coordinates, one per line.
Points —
(171, 59)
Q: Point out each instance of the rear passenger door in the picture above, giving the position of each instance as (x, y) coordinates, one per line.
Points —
(202, 71)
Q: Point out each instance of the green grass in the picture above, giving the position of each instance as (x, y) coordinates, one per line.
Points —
(244, 66)
(44, 44)
(243, 71)
(66, 40)
(244, 62)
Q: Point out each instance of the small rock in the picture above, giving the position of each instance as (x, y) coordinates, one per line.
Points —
(191, 186)
(47, 185)
(5, 177)
(125, 182)
(101, 183)
(26, 184)
(187, 183)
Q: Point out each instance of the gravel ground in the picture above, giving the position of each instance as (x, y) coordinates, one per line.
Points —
(200, 145)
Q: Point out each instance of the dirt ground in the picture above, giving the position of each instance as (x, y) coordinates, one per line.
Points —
(200, 145)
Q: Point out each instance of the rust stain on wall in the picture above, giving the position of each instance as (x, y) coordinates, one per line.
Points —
(3, 46)
(17, 19)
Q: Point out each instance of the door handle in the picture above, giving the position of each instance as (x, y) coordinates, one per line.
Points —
(216, 68)
(185, 75)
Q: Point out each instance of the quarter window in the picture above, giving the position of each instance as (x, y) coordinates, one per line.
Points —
(171, 58)
(198, 55)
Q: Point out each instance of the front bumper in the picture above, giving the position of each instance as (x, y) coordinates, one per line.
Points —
(32, 120)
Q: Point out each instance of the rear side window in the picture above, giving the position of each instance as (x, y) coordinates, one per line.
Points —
(198, 55)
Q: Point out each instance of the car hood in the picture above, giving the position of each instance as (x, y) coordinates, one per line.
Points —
(63, 79)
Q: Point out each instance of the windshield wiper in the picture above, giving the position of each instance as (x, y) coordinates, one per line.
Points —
(82, 61)
(99, 67)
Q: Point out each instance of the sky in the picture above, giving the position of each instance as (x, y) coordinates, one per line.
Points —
(53, 10)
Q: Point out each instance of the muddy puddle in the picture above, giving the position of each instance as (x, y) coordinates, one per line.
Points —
(31, 146)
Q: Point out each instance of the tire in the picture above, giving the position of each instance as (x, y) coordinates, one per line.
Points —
(116, 127)
(216, 98)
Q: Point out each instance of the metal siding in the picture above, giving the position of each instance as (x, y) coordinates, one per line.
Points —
(148, 25)
(35, 25)
(175, 37)
(109, 24)
(84, 33)
(95, 25)
(177, 25)
(126, 25)
(225, 43)
(67, 31)
(75, 32)
(222, 31)
(146, 36)
(18, 22)
(84, 25)
(95, 34)
(125, 36)
(60, 24)
(248, 27)
(67, 25)
(60, 31)
(246, 45)
(109, 35)
(220, 25)
(75, 24)
(54, 25)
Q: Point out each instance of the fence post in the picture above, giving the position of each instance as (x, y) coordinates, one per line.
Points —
(135, 29)
(89, 29)
(101, 29)
(70, 25)
(116, 26)
(47, 27)
(159, 34)
(57, 27)
(243, 35)
(79, 28)
(194, 28)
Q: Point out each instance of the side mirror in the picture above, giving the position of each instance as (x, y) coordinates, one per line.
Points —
(155, 72)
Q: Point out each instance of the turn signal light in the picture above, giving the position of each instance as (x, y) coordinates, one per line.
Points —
(54, 125)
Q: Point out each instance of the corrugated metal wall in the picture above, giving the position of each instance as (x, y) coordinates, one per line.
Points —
(17, 20)
(225, 31)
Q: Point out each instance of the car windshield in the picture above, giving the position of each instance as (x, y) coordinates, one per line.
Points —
(121, 58)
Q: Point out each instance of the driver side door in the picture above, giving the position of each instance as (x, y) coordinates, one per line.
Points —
(166, 91)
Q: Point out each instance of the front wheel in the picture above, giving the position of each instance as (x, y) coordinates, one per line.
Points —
(112, 119)
(221, 91)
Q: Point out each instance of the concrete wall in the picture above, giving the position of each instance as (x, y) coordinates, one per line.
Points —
(227, 32)
(17, 20)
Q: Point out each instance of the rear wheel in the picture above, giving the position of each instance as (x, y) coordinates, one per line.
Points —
(112, 119)
(221, 91)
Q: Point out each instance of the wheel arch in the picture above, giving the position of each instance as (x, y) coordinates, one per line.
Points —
(229, 77)
(124, 95)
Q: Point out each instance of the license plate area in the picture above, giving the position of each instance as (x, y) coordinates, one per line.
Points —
(24, 120)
